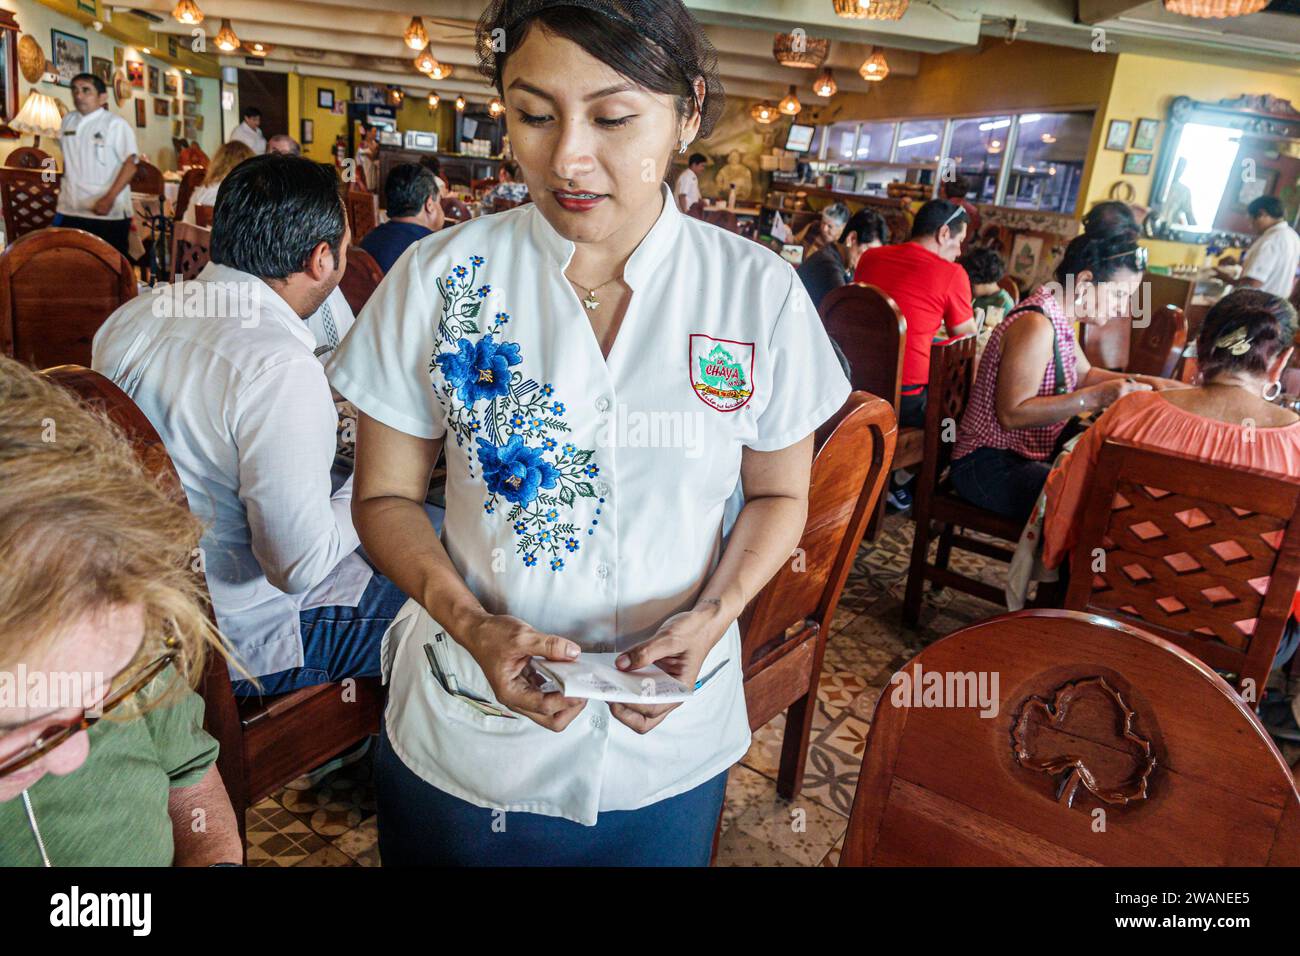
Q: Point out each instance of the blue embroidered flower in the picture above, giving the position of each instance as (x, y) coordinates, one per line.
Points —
(558, 408)
(484, 291)
(489, 507)
(536, 425)
(571, 544)
(548, 389)
(530, 560)
(591, 470)
(548, 444)
(502, 317)
(474, 425)
(543, 537)
(521, 527)
(551, 515)
(476, 261)
(568, 449)
(515, 470)
(460, 272)
(557, 564)
(516, 421)
(479, 371)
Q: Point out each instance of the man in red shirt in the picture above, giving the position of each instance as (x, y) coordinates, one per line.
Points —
(931, 290)
(955, 191)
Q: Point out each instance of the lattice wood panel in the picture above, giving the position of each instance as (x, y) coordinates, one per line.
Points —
(28, 200)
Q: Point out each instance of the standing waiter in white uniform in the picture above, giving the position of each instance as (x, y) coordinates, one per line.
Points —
(99, 153)
(601, 371)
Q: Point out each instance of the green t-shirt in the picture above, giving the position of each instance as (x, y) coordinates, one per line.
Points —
(995, 306)
(112, 810)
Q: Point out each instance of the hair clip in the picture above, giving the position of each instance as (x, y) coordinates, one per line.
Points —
(1235, 341)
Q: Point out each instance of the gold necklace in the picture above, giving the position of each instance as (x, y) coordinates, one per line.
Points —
(590, 301)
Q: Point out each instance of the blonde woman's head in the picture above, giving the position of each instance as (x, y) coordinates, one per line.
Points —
(226, 158)
(98, 569)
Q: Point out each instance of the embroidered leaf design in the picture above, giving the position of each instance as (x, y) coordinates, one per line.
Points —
(470, 310)
(585, 489)
(582, 457)
(514, 513)
(566, 496)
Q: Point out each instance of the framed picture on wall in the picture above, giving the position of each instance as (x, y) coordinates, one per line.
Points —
(71, 55)
(102, 67)
(155, 80)
(1137, 164)
(190, 108)
(309, 129)
(135, 73)
(1144, 137)
(191, 130)
(119, 55)
(141, 116)
(1117, 134)
(198, 93)
(198, 121)
(325, 99)
(160, 107)
(176, 107)
(187, 83)
(171, 84)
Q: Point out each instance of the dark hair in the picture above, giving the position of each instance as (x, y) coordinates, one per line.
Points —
(1270, 206)
(1110, 218)
(657, 44)
(1251, 317)
(511, 169)
(697, 158)
(866, 224)
(272, 211)
(248, 111)
(431, 163)
(983, 265)
(956, 189)
(1104, 255)
(407, 188)
(100, 86)
(934, 214)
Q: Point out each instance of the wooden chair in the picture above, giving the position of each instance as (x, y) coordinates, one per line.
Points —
(191, 246)
(203, 215)
(868, 326)
(1012, 288)
(265, 742)
(57, 286)
(148, 178)
(785, 628)
(952, 371)
(455, 211)
(1096, 722)
(360, 278)
(1157, 348)
(363, 212)
(28, 198)
(478, 187)
(191, 181)
(1202, 555)
(27, 157)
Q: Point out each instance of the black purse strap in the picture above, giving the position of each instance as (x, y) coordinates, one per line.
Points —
(1059, 371)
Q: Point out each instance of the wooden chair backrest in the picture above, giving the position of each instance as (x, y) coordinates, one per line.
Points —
(191, 247)
(148, 178)
(1156, 349)
(869, 328)
(478, 187)
(696, 209)
(455, 210)
(203, 215)
(501, 205)
(1012, 288)
(1200, 554)
(360, 278)
(363, 213)
(855, 448)
(191, 181)
(57, 286)
(952, 375)
(1087, 715)
(27, 157)
(28, 198)
(724, 218)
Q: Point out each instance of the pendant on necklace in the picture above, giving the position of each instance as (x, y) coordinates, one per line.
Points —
(591, 302)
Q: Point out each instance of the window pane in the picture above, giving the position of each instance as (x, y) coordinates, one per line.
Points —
(977, 150)
(1048, 163)
(875, 140)
(842, 137)
(919, 141)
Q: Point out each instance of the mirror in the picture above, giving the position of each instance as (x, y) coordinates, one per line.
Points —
(1216, 159)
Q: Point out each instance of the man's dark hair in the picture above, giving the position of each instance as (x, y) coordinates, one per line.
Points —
(100, 86)
(983, 265)
(250, 111)
(432, 164)
(1270, 206)
(697, 158)
(272, 211)
(407, 188)
(867, 225)
(956, 188)
(936, 213)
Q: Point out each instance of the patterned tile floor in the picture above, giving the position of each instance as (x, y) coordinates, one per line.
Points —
(333, 824)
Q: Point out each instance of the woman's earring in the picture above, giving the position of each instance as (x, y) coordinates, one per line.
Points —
(681, 148)
(1272, 391)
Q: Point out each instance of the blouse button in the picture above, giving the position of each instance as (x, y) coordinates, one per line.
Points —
(602, 404)
(602, 570)
(602, 488)
(598, 721)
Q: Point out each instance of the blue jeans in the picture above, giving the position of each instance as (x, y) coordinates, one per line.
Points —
(337, 641)
(420, 825)
(1000, 481)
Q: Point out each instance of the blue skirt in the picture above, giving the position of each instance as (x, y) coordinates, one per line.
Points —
(420, 825)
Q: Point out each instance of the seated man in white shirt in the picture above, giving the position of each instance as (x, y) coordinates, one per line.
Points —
(249, 131)
(1270, 262)
(224, 368)
(687, 188)
(99, 153)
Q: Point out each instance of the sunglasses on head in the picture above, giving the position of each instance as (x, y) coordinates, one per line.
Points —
(1138, 254)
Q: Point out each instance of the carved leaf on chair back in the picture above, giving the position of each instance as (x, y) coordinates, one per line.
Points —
(1085, 732)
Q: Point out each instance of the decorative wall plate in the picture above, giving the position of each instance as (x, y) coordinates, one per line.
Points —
(31, 58)
(121, 87)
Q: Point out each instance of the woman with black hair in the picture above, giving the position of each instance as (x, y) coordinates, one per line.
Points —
(610, 370)
(1033, 376)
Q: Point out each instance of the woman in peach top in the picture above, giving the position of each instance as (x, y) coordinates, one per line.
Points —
(1229, 418)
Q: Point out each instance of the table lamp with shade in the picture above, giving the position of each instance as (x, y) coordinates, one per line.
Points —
(39, 116)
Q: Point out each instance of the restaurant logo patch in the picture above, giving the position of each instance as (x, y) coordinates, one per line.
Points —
(722, 372)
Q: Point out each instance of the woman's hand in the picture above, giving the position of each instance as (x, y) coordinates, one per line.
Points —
(503, 647)
(679, 647)
(1112, 390)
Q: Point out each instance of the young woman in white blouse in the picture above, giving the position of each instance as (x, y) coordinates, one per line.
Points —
(602, 371)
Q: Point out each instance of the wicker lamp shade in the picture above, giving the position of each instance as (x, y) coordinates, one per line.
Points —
(764, 113)
(790, 106)
(871, 9)
(875, 67)
(800, 51)
(257, 49)
(825, 85)
(187, 12)
(1215, 9)
(426, 62)
(415, 36)
(226, 41)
